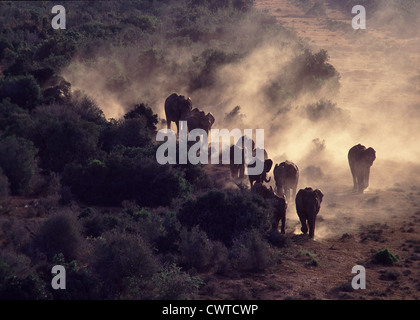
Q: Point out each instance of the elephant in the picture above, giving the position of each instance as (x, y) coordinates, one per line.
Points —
(177, 108)
(279, 203)
(286, 175)
(198, 119)
(237, 170)
(360, 161)
(262, 177)
(308, 204)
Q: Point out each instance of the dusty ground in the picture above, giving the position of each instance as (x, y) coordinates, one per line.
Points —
(391, 219)
(350, 228)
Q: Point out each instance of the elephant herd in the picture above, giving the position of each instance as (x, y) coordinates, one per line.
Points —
(286, 174)
(178, 108)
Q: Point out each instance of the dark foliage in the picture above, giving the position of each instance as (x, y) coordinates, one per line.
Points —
(17, 159)
(225, 215)
(125, 174)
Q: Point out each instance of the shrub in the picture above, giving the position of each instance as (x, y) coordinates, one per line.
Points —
(59, 234)
(224, 215)
(384, 257)
(118, 257)
(22, 90)
(17, 159)
(16, 284)
(196, 249)
(4, 185)
(250, 252)
(173, 284)
(80, 285)
(125, 174)
(62, 138)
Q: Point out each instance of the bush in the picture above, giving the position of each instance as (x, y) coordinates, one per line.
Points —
(17, 284)
(59, 234)
(173, 284)
(62, 138)
(384, 257)
(125, 174)
(224, 215)
(4, 185)
(250, 252)
(17, 159)
(118, 258)
(199, 252)
(22, 90)
(80, 285)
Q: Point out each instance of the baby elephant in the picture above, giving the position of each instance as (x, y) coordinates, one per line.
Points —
(308, 203)
(279, 204)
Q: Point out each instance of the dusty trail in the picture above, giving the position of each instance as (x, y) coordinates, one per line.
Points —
(376, 68)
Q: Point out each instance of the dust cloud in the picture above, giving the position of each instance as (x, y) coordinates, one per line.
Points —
(377, 101)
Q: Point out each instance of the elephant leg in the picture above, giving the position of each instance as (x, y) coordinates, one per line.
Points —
(311, 223)
(275, 222)
(168, 124)
(302, 218)
(241, 171)
(366, 178)
(177, 127)
(355, 183)
(360, 183)
(283, 223)
(234, 171)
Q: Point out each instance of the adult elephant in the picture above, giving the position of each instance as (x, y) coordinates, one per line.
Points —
(267, 165)
(308, 203)
(237, 169)
(198, 119)
(360, 161)
(286, 175)
(279, 205)
(177, 108)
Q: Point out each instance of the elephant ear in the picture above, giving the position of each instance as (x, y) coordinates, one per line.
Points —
(370, 154)
(268, 164)
(211, 119)
(319, 195)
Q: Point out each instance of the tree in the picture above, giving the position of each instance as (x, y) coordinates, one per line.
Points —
(17, 158)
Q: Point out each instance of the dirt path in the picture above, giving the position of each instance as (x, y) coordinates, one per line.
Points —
(375, 69)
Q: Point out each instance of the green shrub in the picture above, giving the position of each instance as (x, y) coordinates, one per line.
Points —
(199, 252)
(173, 284)
(17, 284)
(4, 185)
(119, 257)
(59, 234)
(250, 252)
(17, 159)
(224, 215)
(125, 174)
(80, 285)
(22, 90)
(384, 257)
(62, 138)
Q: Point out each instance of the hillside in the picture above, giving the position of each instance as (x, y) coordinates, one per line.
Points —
(80, 185)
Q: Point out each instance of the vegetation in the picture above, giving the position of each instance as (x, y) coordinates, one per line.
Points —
(124, 226)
